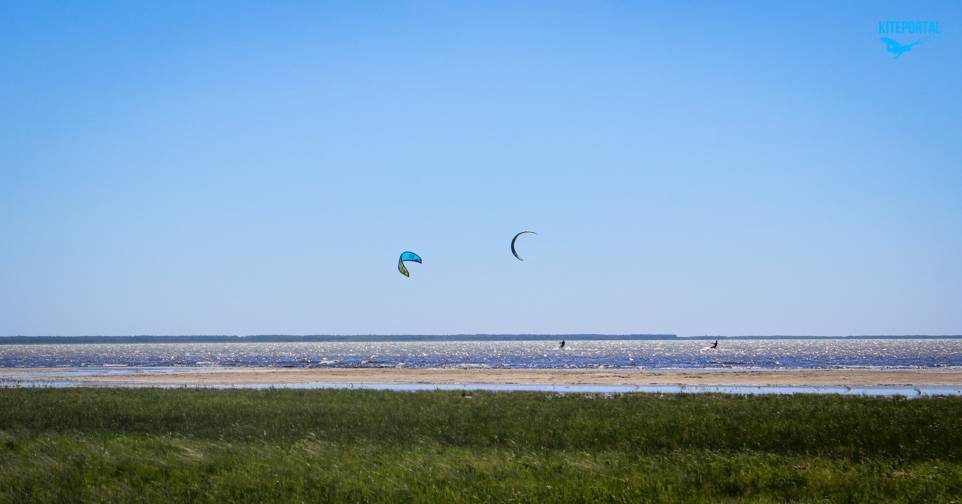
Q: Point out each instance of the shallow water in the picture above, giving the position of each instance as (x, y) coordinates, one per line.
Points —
(578, 354)
(910, 392)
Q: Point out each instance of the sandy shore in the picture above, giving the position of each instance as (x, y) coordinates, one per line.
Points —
(272, 376)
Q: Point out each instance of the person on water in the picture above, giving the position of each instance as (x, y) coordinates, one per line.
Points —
(714, 345)
(562, 345)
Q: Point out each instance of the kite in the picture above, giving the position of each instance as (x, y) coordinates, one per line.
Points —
(407, 256)
(515, 252)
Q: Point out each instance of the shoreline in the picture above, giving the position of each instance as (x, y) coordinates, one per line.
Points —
(213, 377)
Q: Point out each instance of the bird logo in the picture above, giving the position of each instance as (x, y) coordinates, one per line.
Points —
(897, 48)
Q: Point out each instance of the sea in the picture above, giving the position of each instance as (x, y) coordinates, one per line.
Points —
(519, 353)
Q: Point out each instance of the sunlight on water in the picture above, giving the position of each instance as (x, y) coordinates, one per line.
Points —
(578, 354)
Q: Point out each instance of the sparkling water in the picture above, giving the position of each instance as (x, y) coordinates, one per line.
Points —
(577, 354)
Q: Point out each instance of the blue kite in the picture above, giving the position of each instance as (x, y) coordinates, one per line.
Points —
(407, 256)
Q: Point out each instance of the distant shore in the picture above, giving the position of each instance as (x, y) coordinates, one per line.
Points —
(421, 338)
(284, 376)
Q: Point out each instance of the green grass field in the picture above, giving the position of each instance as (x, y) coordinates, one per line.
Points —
(153, 445)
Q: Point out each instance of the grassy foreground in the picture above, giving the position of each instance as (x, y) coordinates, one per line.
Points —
(153, 445)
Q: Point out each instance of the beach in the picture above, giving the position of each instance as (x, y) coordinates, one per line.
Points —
(287, 376)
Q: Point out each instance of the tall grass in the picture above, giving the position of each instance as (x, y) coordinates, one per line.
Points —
(285, 445)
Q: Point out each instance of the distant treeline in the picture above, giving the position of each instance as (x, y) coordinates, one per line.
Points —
(278, 338)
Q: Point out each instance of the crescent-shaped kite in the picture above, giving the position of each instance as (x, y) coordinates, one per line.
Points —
(407, 256)
(515, 252)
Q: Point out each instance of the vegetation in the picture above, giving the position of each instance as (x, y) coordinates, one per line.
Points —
(157, 445)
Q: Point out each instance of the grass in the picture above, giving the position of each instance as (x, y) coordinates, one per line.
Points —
(122, 445)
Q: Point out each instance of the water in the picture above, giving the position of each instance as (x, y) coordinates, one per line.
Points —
(578, 354)
(28, 379)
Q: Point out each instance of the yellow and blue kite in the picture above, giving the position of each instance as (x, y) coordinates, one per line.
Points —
(407, 256)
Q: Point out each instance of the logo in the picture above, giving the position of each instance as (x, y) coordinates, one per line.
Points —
(912, 34)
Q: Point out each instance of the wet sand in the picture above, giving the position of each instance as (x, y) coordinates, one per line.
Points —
(275, 376)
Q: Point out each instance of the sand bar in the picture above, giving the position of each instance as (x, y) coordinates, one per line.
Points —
(272, 376)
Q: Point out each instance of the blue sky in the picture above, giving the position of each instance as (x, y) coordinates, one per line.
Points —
(245, 168)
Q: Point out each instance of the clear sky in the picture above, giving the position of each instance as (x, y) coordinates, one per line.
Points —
(250, 168)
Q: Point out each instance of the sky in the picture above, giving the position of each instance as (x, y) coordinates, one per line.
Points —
(690, 168)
